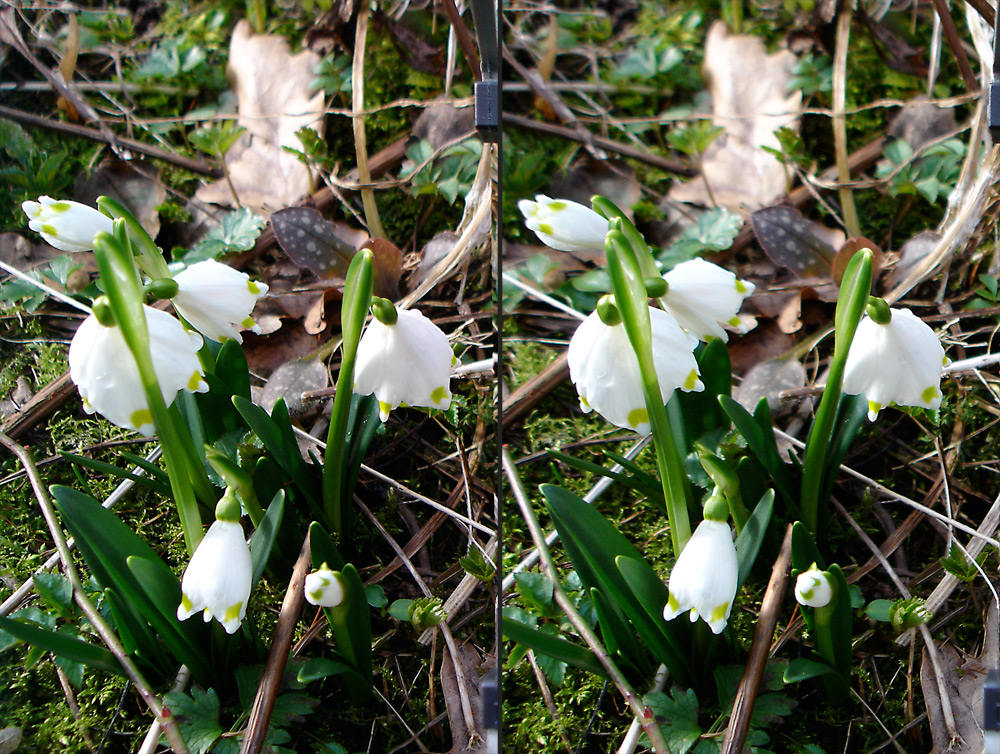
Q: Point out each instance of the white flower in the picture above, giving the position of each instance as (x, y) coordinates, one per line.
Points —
(217, 579)
(563, 224)
(704, 577)
(704, 297)
(67, 225)
(605, 369)
(813, 588)
(323, 587)
(215, 298)
(900, 362)
(104, 371)
(408, 362)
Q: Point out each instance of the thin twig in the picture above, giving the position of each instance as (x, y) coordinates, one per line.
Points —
(470, 721)
(91, 612)
(642, 713)
(195, 166)
(631, 739)
(281, 643)
(746, 695)
(592, 495)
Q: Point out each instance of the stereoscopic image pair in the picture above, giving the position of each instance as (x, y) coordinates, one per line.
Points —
(469, 378)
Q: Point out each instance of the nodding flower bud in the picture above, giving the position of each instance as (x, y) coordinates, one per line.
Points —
(325, 588)
(813, 587)
(162, 288)
(384, 311)
(607, 310)
(656, 287)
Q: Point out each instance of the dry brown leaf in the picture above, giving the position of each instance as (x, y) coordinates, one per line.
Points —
(963, 682)
(291, 380)
(275, 100)
(770, 379)
(750, 99)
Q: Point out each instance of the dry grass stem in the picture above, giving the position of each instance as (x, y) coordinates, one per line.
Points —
(949, 717)
(91, 612)
(358, 106)
(848, 209)
(470, 722)
(642, 713)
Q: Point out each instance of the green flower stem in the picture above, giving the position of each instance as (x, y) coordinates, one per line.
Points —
(630, 296)
(237, 479)
(825, 645)
(357, 299)
(851, 303)
(150, 259)
(642, 253)
(117, 270)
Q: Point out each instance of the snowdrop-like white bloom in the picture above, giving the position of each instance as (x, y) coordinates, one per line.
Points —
(406, 362)
(899, 362)
(215, 298)
(67, 225)
(217, 579)
(813, 588)
(605, 369)
(704, 298)
(104, 371)
(704, 578)
(323, 587)
(563, 224)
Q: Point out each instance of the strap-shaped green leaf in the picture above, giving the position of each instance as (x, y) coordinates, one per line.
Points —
(750, 539)
(553, 646)
(276, 434)
(153, 483)
(619, 637)
(593, 544)
(264, 535)
(761, 441)
(61, 645)
(106, 544)
(642, 484)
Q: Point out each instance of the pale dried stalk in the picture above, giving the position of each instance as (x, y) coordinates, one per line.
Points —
(642, 713)
(358, 106)
(93, 615)
(840, 122)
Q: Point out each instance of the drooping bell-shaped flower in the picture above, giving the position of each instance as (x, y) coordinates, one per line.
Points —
(218, 577)
(813, 587)
(65, 224)
(405, 361)
(216, 299)
(103, 369)
(324, 588)
(703, 581)
(705, 298)
(605, 369)
(564, 225)
(897, 360)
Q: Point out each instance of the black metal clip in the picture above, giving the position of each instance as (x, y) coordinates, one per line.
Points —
(490, 689)
(486, 15)
(991, 694)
